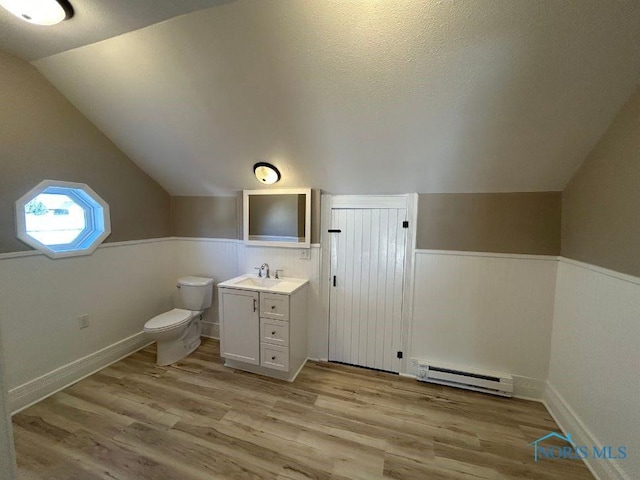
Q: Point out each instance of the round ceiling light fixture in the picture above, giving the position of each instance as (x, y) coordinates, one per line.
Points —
(266, 173)
(39, 12)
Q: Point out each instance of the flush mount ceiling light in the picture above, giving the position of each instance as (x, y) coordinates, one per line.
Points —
(266, 173)
(39, 12)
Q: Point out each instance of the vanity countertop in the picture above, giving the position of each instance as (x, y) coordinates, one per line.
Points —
(285, 285)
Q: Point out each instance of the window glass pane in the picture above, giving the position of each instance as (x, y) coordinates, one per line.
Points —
(54, 219)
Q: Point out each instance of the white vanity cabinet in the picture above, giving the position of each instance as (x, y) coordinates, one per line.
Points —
(262, 331)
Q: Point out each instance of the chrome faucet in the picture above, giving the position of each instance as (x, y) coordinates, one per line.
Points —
(265, 266)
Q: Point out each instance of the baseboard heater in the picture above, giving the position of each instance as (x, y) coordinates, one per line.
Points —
(486, 382)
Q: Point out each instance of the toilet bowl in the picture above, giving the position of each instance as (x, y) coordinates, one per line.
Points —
(177, 332)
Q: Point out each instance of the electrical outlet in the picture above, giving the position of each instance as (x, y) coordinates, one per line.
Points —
(305, 254)
(83, 321)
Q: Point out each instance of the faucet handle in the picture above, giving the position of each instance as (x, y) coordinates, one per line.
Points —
(259, 271)
(278, 274)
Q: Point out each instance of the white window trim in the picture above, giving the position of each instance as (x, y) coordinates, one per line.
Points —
(85, 243)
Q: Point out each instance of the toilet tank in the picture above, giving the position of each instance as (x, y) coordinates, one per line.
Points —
(196, 292)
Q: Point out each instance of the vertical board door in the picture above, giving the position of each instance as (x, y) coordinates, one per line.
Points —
(367, 273)
(240, 326)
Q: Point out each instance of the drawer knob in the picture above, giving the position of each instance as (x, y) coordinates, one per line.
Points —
(273, 358)
(273, 307)
(273, 333)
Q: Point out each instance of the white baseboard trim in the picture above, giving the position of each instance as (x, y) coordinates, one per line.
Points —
(211, 330)
(569, 422)
(299, 369)
(36, 390)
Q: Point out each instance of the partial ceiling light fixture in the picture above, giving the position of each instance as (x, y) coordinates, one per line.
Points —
(266, 173)
(39, 12)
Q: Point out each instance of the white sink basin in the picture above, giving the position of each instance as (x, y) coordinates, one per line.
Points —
(285, 285)
(258, 282)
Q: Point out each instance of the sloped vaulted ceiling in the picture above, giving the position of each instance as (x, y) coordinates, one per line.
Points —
(362, 96)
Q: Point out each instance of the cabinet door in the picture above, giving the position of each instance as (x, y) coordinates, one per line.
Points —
(239, 326)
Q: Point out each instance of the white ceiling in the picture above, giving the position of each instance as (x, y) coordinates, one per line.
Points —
(362, 96)
(93, 20)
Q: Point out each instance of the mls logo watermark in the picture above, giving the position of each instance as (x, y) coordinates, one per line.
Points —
(572, 451)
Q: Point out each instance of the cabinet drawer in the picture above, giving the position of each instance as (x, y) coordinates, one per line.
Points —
(273, 305)
(275, 332)
(274, 356)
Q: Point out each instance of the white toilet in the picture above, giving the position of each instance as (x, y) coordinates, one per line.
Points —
(177, 332)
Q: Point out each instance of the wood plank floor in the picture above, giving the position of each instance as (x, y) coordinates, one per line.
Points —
(200, 420)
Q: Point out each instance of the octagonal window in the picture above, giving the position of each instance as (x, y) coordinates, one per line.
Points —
(62, 219)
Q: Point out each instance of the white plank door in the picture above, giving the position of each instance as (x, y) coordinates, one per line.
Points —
(365, 300)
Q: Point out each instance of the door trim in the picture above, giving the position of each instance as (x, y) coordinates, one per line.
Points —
(408, 201)
(407, 287)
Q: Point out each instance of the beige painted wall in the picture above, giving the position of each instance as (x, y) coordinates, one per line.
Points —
(601, 203)
(526, 223)
(204, 217)
(43, 136)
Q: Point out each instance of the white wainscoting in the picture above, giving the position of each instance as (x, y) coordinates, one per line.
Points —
(119, 287)
(7, 450)
(488, 311)
(206, 257)
(594, 376)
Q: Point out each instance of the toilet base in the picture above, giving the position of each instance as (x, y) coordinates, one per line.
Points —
(174, 351)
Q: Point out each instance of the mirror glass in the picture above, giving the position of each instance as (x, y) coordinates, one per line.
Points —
(277, 217)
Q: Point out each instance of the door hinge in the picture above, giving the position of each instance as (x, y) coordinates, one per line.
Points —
(399, 354)
(405, 224)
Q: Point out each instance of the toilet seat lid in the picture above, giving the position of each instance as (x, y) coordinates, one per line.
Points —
(172, 318)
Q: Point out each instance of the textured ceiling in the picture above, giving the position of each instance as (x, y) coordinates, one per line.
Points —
(362, 96)
(94, 20)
